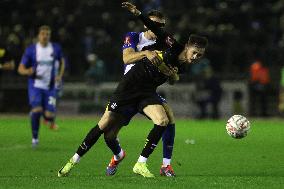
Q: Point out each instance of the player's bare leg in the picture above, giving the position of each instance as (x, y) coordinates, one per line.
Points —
(35, 123)
(160, 119)
(108, 119)
(119, 154)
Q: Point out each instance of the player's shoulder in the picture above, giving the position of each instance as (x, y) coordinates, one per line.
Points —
(131, 39)
(56, 45)
(31, 48)
(132, 35)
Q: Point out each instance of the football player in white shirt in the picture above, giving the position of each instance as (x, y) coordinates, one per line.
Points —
(38, 63)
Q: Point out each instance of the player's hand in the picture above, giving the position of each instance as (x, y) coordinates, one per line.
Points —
(174, 75)
(30, 71)
(174, 70)
(153, 57)
(165, 69)
(131, 8)
(168, 70)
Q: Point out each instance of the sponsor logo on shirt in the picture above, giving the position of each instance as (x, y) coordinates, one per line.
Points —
(169, 41)
(113, 105)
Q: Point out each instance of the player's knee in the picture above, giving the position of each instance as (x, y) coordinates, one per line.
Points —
(108, 120)
(170, 113)
(162, 121)
(36, 109)
(171, 118)
(104, 121)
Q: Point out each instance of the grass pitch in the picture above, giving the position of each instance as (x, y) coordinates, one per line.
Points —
(204, 156)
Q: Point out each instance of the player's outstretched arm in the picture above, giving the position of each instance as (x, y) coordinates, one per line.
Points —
(160, 33)
(131, 8)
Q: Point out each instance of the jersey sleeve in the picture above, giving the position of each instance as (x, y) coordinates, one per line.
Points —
(59, 52)
(161, 34)
(131, 40)
(26, 58)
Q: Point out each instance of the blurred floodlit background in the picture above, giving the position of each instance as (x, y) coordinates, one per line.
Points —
(246, 44)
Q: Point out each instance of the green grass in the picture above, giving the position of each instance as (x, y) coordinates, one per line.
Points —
(214, 161)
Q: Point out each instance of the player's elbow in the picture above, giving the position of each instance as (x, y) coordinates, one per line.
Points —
(126, 60)
(21, 69)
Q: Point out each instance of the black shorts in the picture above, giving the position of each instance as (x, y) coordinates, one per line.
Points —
(132, 106)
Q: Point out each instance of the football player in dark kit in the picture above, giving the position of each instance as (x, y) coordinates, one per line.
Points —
(136, 46)
(137, 90)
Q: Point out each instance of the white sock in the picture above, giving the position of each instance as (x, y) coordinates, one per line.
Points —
(76, 158)
(142, 159)
(119, 155)
(166, 162)
(34, 140)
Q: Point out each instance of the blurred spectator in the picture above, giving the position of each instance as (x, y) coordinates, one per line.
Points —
(228, 24)
(259, 88)
(208, 92)
(150, 5)
(14, 45)
(88, 41)
(96, 72)
(237, 102)
(6, 64)
(6, 60)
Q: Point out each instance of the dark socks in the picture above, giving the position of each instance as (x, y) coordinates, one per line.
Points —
(152, 140)
(168, 141)
(91, 138)
(49, 119)
(35, 120)
(113, 144)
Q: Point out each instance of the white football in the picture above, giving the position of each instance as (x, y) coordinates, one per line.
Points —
(238, 126)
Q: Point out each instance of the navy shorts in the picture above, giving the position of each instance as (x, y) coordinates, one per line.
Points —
(45, 98)
(134, 106)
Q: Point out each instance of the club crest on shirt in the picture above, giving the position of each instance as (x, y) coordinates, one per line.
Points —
(127, 41)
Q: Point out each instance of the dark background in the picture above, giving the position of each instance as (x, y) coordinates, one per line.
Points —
(239, 31)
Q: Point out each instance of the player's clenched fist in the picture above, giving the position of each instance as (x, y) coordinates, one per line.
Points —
(132, 8)
(153, 57)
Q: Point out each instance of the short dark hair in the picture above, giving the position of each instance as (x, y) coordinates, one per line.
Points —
(156, 13)
(44, 27)
(197, 41)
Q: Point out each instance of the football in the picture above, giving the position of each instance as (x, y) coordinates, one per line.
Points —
(238, 126)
